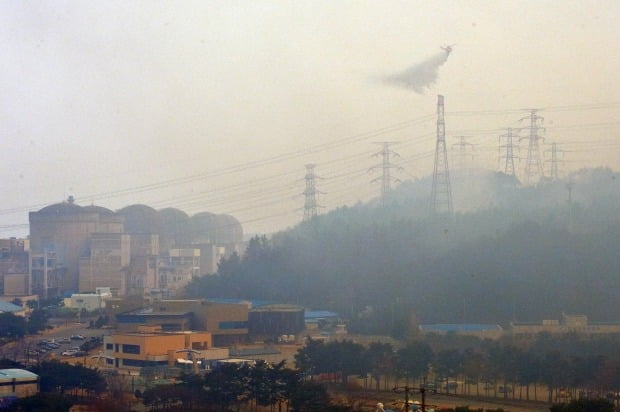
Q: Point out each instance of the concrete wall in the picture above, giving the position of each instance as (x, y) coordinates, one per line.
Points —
(16, 284)
(107, 264)
(66, 229)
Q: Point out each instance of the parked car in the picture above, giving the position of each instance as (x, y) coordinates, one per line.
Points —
(69, 352)
(77, 337)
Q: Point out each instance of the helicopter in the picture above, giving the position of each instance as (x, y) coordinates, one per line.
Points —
(448, 48)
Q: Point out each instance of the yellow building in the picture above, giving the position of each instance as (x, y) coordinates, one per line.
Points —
(567, 324)
(480, 330)
(149, 346)
(227, 322)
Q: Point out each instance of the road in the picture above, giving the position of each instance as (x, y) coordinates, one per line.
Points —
(368, 400)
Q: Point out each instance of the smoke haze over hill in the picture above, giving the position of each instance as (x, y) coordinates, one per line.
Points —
(527, 254)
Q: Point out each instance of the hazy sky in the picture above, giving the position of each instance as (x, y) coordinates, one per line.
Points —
(218, 105)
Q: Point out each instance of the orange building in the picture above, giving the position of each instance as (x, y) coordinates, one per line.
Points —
(149, 346)
(227, 322)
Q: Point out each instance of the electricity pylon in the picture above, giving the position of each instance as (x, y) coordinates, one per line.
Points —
(533, 162)
(508, 156)
(386, 166)
(463, 156)
(310, 194)
(553, 161)
(441, 195)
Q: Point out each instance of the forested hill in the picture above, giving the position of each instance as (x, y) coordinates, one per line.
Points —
(510, 252)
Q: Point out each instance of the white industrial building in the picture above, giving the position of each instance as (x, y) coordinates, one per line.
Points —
(89, 301)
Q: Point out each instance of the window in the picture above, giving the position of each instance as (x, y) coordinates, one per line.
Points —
(133, 362)
(233, 325)
(142, 363)
(134, 349)
(109, 346)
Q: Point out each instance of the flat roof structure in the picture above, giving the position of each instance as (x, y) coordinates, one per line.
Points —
(459, 327)
(18, 374)
(319, 314)
(9, 307)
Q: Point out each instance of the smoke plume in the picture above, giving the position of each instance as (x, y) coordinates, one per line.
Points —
(420, 76)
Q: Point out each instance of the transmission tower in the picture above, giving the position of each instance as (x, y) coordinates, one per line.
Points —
(553, 161)
(463, 156)
(509, 156)
(441, 195)
(310, 194)
(571, 217)
(533, 162)
(386, 165)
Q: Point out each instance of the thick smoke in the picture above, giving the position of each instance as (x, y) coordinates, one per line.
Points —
(420, 76)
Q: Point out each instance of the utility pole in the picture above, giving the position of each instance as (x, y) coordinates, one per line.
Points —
(45, 279)
(386, 165)
(509, 165)
(310, 194)
(553, 161)
(408, 389)
(441, 195)
(533, 162)
(462, 146)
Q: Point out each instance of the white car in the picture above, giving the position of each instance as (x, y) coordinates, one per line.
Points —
(69, 352)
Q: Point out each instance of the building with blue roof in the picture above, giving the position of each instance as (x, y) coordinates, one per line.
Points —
(17, 383)
(8, 307)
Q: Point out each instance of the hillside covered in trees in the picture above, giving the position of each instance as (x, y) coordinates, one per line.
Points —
(509, 253)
